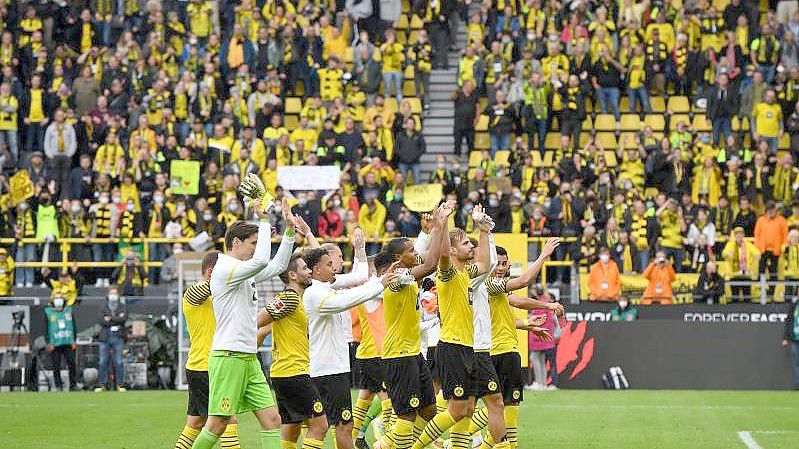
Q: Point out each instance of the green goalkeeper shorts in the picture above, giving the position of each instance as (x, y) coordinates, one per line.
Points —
(237, 384)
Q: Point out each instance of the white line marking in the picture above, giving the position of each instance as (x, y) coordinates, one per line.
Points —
(747, 439)
(774, 432)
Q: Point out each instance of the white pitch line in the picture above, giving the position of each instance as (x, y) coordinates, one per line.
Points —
(747, 439)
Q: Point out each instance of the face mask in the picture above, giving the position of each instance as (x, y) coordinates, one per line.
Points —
(628, 185)
(705, 139)
(390, 228)
(517, 195)
(103, 200)
(75, 208)
(604, 258)
(505, 40)
(58, 303)
(233, 208)
(23, 206)
(278, 208)
(302, 201)
(537, 215)
(493, 202)
(113, 298)
(207, 217)
(181, 207)
(337, 203)
(547, 203)
(117, 200)
(622, 304)
(530, 36)
(130, 207)
(468, 208)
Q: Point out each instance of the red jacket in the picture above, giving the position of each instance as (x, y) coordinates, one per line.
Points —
(330, 224)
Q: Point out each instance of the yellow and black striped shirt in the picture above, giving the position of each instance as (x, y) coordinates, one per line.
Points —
(290, 348)
(455, 304)
(200, 323)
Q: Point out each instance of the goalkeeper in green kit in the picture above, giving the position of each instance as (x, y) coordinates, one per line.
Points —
(236, 381)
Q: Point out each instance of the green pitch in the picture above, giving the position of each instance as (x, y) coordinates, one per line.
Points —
(549, 420)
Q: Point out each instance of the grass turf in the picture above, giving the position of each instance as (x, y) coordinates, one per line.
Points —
(551, 420)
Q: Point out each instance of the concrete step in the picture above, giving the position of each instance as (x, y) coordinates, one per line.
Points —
(434, 140)
(434, 123)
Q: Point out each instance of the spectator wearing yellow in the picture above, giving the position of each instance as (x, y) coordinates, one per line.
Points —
(274, 130)
(372, 217)
(468, 66)
(555, 64)
(304, 132)
(789, 263)
(199, 13)
(421, 54)
(339, 39)
(6, 272)
(672, 226)
(742, 257)
(256, 146)
(383, 173)
(707, 182)
(219, 145)
(9, 107)
(378, 108)
(269, 175)
(392, 55)
(784, 180)
(384, 138)
(356, 101)
(331, 80)
(768, 121)
(110, 157)
(315, 112)
(28, 25)
(765, 52)
(143, 133)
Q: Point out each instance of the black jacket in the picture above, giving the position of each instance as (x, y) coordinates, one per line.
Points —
(708, 287)
(113, 323)
(409, 149)
(789, 322)
(722, 108)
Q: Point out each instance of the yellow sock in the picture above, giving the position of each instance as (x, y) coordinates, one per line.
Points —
(335, 440)
(403, 434)
(359, 415)
(389, 440)
(479, 420)
(186, 438)
(488, 442)
(285, 444)
(512, 424)
(459, 436)
(310, 443)
(385, 405)
(435, 428)
(418, 427)
(441, 403)
(230, 437)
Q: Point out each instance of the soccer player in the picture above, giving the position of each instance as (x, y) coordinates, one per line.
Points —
(504, 340)
(201, 324)
(297, 397)
(236, 381)
(455, 349)
(408, 379)
(330, 363)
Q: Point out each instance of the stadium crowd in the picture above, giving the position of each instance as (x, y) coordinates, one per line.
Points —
(660, 130)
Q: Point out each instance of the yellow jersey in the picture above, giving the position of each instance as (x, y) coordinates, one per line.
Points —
(768, 118)
(503, 323)
(455, 305)
(402, 315)
(201, 324)
(290, 351)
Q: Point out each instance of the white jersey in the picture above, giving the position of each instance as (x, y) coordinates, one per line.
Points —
(234, 295)
(481, 311)
(329, 350)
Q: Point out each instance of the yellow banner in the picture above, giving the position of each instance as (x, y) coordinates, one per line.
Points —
(422, 197)
(21, 187)
(185, 177)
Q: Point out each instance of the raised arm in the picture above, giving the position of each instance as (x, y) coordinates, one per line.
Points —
(244, 270)
(280, 262)
(342, 300)
(481, 277)
(360, 265)
(484, 255)
(444, 262)
(525, 303)
(304, 230)
(440, 228)
(197, 294)
(422, 242)
(528, 276)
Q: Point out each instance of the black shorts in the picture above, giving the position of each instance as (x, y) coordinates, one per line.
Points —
(334, 390)
(487, 379)
(457, 368)
(198, 392)
(509, 369)
(409, 384)
(432, 364)
(297, 399)
(371, 375)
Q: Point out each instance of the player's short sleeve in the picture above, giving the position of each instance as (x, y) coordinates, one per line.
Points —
(446, 274)
(395, 287)
(472, 270)
(283, 304)
(496, 286)
(198, 293)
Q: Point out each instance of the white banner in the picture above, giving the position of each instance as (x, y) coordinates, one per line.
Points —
(302, 177)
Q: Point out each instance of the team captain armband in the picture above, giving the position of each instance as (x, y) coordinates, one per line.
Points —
(283, 304)
(198, 293)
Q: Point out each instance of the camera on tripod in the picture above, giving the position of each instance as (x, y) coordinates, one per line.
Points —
(18, 316)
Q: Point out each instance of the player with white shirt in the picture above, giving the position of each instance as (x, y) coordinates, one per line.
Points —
(236, 381)
(324, 303)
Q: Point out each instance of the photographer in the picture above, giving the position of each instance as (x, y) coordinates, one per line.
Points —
(112, 336)
(660, 274)
(130, 276)
(60, 338)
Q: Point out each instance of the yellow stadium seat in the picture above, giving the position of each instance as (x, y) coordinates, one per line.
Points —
(290, 122)
(605, 122)
(552, 141)
(679, 104)
(555, 125)
(408, 72)
(416, 23)
(658, 104)
(416, 104)
(293, 105)
(701, 123)
(677, 118)
(624, 104)
(607, 140)
(537, 161)
(630, 122)
(413, 36)
(408, 88)
(470, 173)
(391, 104)
(401, 37)
(502, 158)
(610, 159)
(482, 123)
(402, 23)
(655, 121)
(474, 158)
(482, 141)
(588, 123)
(549, 159)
